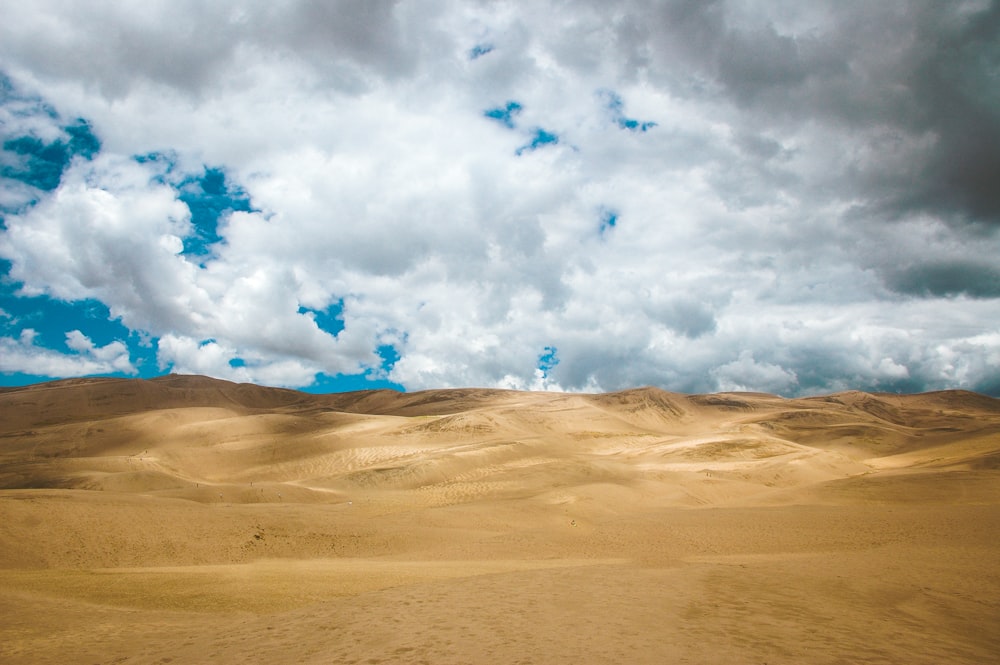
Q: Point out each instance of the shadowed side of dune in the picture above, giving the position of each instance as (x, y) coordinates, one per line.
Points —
(210, 440)
(192, 519)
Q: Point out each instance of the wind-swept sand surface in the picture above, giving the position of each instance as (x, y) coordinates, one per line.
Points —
(190, 520)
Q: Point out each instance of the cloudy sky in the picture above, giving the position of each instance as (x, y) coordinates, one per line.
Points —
(781, 196)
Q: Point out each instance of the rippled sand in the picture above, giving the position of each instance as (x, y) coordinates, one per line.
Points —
(190, 520)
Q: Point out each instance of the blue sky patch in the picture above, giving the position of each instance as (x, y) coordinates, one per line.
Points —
(210, 197)
(34, 162)
(348, 383)
(479, 50)
(389, 356)
(609, 219)
(329, 320)
(504, 114)
(635, 125)
(166, 161)
(540, 139)
(547, 360)
(82, 140)
(616, 105)
(52, 319)
(371, 379)
(33, 156)
(39, 165)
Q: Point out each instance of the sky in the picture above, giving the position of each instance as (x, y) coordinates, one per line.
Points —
(788, 197)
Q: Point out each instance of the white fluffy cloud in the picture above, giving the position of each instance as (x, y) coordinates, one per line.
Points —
(113, 232)
(732, 196)
(22, 354)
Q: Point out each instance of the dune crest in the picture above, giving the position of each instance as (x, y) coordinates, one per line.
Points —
(193, 489)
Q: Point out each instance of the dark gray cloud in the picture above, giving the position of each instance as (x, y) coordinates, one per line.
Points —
(915, 81)
(955, 84)
(376, 36)
(181, 46)
(192, 46)
(902, 99)
(947, 278)
(688, 316)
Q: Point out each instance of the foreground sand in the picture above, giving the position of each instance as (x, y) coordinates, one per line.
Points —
(188, 520)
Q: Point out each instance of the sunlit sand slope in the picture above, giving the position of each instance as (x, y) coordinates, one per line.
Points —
(202, 521)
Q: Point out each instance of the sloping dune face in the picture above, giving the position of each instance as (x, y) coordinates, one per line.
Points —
(202, 521)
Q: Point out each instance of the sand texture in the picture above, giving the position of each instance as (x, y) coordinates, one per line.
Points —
(189, 520)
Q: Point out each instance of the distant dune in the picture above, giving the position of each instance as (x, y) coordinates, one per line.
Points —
(198, 520)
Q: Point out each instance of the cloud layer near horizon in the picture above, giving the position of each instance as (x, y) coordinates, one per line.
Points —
(786, 197)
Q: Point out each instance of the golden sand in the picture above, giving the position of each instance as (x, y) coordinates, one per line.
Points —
(190, 520)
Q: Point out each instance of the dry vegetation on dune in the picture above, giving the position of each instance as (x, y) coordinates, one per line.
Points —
(186, 519)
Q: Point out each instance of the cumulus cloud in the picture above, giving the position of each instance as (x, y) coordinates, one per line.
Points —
(746, 373)
(24, 355)
(114, 231)
(703, 196)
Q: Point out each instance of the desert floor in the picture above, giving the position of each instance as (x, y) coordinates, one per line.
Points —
(189, 520)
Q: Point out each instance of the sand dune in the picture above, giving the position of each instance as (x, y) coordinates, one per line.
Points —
(198, 520)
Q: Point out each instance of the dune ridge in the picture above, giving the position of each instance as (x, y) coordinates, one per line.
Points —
(167, 499)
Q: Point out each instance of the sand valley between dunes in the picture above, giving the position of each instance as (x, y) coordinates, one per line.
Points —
(189, 520)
